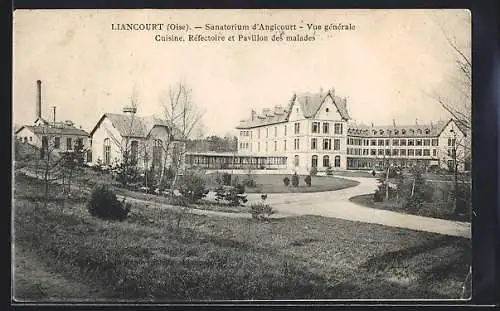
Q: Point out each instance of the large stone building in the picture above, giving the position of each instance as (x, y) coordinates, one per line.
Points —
(316, 130)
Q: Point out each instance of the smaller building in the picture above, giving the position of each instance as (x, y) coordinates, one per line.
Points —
(58, 138)
(148, 140)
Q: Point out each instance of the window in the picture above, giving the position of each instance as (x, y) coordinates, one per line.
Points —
(57, 142)
(380, 142)
(338, 128)
(402, 152)
(327, 144)
(68, 144)
(403, 142)
(418, 152)
(381, 152)
(373, 152)
(327, 110)
(297, 128)
(107, 151)
(266, 146)
(395, 152)
(31, 138)
(411, 142)
(450, 164)
(427, 142)
(275, 146)
(258, 133)
(427, 152)
(434, 142)
(157, 151)
(314, 143)
(296, 144)
(267, 132)
(315, 127)
(275, 131)
(403, 131)
(336, 144)
(258, 146)
(314, 161)
(296, 160)
(387, 152)
(427, 131)
(381, 132)
(434, 152)
(419, 142)
(326, 127)
(395, 142)
(373, 142)
(419, 131)
(326, 161)
(285, 130)
(284, 144)
(411, 152)
(134, 148)
(387, 142)
(396, 132)
(337, 161)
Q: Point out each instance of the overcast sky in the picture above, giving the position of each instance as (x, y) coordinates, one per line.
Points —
(385, 68)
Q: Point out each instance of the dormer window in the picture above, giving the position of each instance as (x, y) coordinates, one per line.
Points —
(381, 132)
(396, 132)
(412, 132)
(427, 131)
(327, 110)
(419, 131)
(374, 132)
(403, 131)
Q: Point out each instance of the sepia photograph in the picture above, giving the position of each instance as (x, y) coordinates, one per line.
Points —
(241, 155)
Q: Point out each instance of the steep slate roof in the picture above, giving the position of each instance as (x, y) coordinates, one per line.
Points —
(309, 104)
(132, 126)
(390, 130)
(50, 130)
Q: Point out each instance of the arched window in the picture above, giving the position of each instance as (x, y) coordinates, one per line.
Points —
(337, 161)
(296, 160)
(157, 152)
(327, 110)
(107, 151)
(326, 161)
(314, 161)
(427, 131)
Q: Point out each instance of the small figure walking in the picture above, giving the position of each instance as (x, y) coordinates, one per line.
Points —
(373, 173)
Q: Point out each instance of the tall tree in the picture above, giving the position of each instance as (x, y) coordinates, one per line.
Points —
(185, 119)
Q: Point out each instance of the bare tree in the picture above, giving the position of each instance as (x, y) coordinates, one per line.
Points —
(184, 118)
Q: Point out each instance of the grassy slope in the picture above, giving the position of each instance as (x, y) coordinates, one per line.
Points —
(219, 258)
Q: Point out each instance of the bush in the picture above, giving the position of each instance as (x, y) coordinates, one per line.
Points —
(261, 211)
(314, 171)
(250, 183)
(307, 180)
(295, 180)
(192, 186)
(286, 181)
(329, 171)
(236, 195)
(104, 204)
(378, 196)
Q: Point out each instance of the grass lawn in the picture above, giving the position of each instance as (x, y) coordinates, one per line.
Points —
(428, 209)
(147, 258)
(274, 183)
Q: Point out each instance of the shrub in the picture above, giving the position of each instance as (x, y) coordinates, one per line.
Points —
(286, 181)
(192, 186)
(329, 171)
(378, 196)
(261, 211)
(250, 183)
(220, 193)
(314, 171)
(307, 180)
(236, 195)
(295, 180)
(104, 204)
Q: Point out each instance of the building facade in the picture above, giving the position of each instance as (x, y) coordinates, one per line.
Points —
(316, 130)
(146, 140)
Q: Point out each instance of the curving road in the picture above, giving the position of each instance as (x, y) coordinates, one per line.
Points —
(336, 204)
